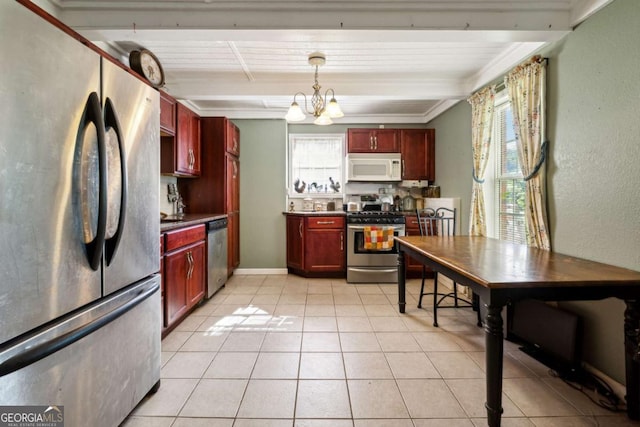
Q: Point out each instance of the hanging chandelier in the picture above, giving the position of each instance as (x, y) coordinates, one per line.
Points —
(322, 111)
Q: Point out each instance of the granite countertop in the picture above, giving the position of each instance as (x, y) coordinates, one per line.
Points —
(315, 213)
(172, 222)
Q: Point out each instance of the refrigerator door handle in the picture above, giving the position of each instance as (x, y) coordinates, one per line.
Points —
(111, 122)
(93, 114)
(39, 351)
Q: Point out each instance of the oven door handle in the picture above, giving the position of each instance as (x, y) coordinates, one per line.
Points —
(368, 270)
(361, 227)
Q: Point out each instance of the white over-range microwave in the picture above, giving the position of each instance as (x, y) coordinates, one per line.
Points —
(373, 167)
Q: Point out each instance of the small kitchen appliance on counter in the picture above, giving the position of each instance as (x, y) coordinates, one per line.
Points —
(408, 203)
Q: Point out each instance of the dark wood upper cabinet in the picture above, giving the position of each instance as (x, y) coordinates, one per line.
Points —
(167, 114)
(181, 154)
(187, 142)
(373, 140)
(418, 154)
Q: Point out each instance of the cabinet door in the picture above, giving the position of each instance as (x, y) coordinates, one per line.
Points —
(386, 141)
(359, 141)
(373, 141)
(162, 282)
(176, 265)
(295, 242)
(324, 250)
(167, 114)
(232, 136)
(187, 148)
(418, 152)
(195, 144)
(183, 140)
(195, 277)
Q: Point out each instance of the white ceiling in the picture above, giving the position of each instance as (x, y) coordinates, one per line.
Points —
(390, 61)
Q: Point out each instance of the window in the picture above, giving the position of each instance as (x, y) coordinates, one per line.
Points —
(316, 165)
(509, 192)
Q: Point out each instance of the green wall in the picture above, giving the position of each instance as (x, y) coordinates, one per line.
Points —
(453, 157)
(594, 174)
(263, 165)
(594, 168)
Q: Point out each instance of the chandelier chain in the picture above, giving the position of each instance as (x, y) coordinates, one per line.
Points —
(317, 102)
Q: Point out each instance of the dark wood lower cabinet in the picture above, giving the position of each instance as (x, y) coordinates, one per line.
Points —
(295, 237)
(316, 245)
(414, 268)
(183, 273)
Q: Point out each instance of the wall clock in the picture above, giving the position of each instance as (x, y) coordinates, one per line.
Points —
(146, 64)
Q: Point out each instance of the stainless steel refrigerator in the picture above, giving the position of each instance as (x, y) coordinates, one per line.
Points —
(80, 307)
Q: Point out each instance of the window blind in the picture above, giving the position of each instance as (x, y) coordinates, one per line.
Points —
(510, 189)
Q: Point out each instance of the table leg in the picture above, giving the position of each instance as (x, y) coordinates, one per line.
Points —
(632, 357)
(401, 282)
(493, 337)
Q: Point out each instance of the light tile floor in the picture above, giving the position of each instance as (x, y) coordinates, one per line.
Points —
(276, 351)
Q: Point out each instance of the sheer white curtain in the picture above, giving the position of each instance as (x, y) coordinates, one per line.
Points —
(316, 160)
(527, 86)
(482, 106)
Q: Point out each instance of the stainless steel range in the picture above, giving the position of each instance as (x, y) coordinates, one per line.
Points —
(367, 265)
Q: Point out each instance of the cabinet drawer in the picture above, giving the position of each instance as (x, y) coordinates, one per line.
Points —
(412, 222)
(325, 222)
(184, 236)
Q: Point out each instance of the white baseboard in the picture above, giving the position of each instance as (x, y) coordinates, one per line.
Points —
(619, 389)
(257, 271)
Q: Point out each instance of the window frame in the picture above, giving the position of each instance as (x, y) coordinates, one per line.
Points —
(291, 193)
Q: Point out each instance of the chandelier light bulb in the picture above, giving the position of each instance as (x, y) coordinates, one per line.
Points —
(323, 119)
(295, 113)
(334, 110)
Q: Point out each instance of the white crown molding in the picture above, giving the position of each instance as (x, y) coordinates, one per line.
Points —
(584, 9)
(439, 108)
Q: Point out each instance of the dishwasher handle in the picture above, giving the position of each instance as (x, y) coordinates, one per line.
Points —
(217, 224)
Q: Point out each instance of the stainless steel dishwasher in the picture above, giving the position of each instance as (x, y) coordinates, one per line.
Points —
(216, 255)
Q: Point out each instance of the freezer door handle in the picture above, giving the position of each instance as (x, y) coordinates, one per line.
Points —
(111, 122)
(93, 114)
(40, 351)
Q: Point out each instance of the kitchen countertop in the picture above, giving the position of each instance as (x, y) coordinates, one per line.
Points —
(315, 213)
(405, 213)
(187, 220)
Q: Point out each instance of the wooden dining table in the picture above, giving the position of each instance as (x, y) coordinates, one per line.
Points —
(501, 273)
